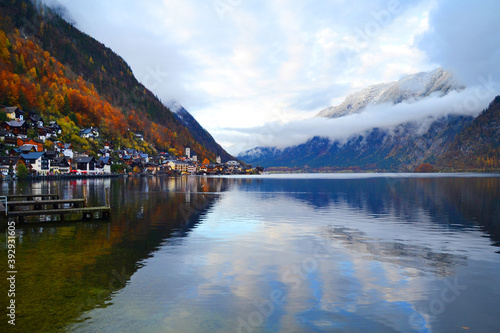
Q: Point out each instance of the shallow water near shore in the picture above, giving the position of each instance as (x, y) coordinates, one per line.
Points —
(277, 253)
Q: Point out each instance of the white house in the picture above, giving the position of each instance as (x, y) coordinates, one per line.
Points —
(104, 165)
(38, 161)
(178, 165)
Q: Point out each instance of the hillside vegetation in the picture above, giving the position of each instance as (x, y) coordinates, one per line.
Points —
(477, 146)
(49, 67)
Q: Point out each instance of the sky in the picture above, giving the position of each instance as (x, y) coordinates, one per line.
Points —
(256, 72)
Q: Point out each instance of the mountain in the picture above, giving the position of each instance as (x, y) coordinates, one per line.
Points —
(65, 75)
(411, 87)
(477, 145)
(451, 143)
(198, 132)
(448, 143)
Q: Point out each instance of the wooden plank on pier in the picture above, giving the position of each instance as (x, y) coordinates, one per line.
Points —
(44, 202)
(60, 211)
(28, 196)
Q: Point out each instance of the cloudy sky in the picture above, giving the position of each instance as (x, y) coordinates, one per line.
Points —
(244, 67)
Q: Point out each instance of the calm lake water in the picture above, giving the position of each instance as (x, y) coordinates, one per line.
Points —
(291, 253)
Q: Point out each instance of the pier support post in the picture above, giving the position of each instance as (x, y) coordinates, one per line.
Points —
(85, 196)
(107, 196)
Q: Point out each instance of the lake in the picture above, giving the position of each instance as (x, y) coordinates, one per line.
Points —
(271, 253)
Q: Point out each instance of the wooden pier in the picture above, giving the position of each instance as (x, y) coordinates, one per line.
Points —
(35, 205)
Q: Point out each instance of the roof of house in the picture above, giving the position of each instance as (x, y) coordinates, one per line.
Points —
(61, 158)
(86, 131)
(52, 154)
(83, 159)
(33, 155)
(10, 109)
(103, 159)
(36, 117)
(16, 123)
(61, 161)
(27, 147)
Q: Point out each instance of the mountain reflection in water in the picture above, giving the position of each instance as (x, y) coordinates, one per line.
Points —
(267, 254)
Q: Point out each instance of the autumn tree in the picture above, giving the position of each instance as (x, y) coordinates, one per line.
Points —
(425, 168)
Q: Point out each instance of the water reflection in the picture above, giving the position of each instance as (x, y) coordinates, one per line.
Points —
(267, 257)
(257, 254)
(455, 202)
(67, 269)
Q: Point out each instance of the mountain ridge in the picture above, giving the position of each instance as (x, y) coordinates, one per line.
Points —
(199, 132)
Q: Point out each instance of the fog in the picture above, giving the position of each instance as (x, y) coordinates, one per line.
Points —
(469, 102)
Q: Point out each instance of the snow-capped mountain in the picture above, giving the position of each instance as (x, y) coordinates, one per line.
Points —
(451, 142)
(410, 87)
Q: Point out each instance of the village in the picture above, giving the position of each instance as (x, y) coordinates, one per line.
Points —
(24, 137)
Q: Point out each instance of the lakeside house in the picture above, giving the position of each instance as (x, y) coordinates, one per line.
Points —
(86, 165)
(9, 164)
(104, 164)
(37, 161)
(60, 165)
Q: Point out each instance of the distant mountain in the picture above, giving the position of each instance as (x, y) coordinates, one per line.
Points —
(450, 143)
(401, 149)
(411, 87)
(198, 132)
